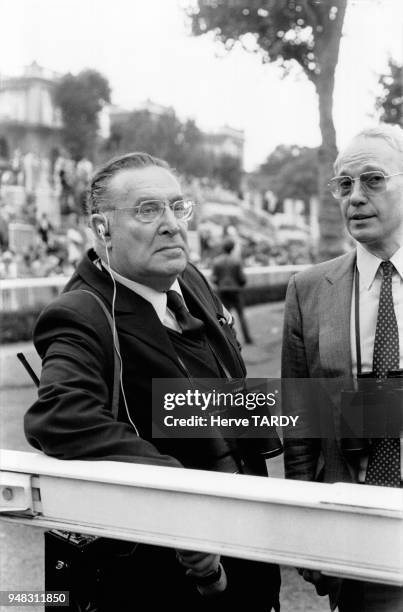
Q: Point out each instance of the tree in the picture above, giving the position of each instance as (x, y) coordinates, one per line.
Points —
(390, 102)
(143, 131)
(293, 173)
(306, 32)
(80, 99)
(181, 144)
(161, 135)
(228, 171)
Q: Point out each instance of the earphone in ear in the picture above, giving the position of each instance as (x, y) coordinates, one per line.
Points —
(102, 227)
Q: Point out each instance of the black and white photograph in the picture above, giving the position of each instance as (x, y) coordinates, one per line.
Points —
(201, 293)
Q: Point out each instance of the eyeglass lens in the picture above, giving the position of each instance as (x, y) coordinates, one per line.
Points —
(370, 181)
(148, 211)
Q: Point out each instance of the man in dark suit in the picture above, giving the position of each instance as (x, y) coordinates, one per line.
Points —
(169, 325)
(343, 318)
(229, 278)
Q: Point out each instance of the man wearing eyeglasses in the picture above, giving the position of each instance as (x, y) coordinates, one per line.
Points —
(344, 321)
(169, 324)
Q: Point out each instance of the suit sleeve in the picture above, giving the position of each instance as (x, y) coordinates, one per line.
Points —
(301, 452)
(71, 418)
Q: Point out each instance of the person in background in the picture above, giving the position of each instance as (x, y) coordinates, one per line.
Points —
(229, 279)
(8, 265)
(44, 226)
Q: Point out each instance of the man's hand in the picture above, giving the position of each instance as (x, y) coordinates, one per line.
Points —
(197, 563)
(316, 578)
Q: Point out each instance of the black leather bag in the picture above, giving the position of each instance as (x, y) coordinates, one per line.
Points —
(81, 565)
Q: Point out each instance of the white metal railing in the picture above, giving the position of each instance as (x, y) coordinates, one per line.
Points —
(20, 293)
(265, 519)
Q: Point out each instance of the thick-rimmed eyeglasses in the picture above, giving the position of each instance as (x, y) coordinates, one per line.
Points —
(371, 183)
(150, 210)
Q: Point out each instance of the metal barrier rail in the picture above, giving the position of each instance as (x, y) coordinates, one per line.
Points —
(20, 293)
(341, 529)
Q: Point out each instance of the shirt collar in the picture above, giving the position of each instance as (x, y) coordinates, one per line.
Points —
(397, 260)
(158, 299)
(368, 264)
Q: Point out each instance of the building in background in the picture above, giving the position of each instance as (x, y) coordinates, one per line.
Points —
(226, 140)
(33, 160)
(29, 119)
(116, 115)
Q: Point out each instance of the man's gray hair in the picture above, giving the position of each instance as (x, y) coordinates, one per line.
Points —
(98, 198)
(390, 132)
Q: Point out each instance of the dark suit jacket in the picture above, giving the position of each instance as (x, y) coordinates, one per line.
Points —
(72, 419)
(227, 273)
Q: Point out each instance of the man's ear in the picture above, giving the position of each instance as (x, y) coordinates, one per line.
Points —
(99, 225)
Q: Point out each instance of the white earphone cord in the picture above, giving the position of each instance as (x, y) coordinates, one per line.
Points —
(114, 338)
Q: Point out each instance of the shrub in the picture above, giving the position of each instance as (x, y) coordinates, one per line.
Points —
(17, 325)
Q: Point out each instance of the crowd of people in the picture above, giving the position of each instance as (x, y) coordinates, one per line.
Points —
(67, 178)
(51, 242)
(58, 241)
(50, 251)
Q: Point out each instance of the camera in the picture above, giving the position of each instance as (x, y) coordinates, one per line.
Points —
(373, 410)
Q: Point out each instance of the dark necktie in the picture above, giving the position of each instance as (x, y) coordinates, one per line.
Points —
(187, 322)
(384, 458)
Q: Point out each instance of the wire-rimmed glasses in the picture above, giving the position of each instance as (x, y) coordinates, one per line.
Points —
(150, 210)
(371, 182)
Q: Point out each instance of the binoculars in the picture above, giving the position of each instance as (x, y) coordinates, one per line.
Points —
(373, 410)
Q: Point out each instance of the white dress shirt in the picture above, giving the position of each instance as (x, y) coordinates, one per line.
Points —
(158, 299)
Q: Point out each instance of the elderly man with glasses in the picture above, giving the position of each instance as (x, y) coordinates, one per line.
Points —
(344, 321)
(165, 323)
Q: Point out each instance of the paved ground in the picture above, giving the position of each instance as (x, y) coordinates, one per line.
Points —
(21, 556)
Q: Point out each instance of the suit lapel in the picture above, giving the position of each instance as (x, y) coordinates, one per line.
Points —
(137, 317)
(334, 318)
(143, 324)
(214, 333)
(134, 315)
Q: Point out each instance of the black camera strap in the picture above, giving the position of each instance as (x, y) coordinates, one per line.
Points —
(357, 319)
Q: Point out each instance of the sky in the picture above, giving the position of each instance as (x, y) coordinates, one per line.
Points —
(144, 49)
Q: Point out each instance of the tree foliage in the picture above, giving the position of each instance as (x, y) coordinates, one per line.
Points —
(81, 98)
(181, 144)
(289, 32)
(282, 30)
(390, 102)
(293, 172)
